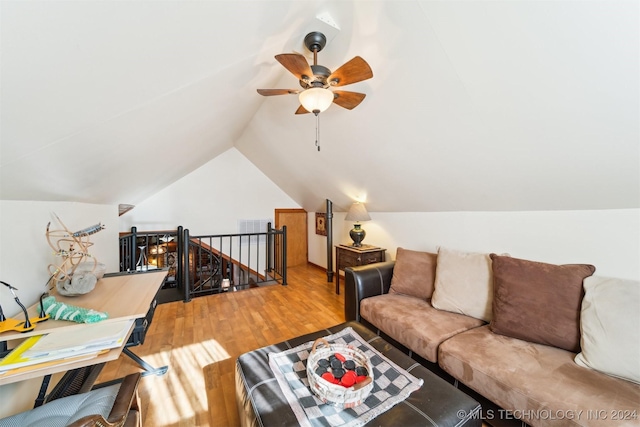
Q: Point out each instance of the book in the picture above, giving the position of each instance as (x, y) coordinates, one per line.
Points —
(16, 358)
(88, 340)
(362, 248)
(56, 362)
(93, 336)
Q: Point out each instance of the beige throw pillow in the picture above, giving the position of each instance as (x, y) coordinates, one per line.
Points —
(610, 325)
(414, 273)
(464, 283)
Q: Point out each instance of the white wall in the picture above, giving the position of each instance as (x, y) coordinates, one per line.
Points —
(608, 239)
(211, 199)
(25, 255)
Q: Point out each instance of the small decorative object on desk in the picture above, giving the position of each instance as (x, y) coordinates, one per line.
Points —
(61, 311)
(340, 375)
(83, 281)
(76, 271)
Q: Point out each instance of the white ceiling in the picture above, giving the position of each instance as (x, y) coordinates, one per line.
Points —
(474, 105)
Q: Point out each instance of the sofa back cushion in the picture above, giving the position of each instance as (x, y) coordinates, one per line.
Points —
(610, 324)
(414, 273)
(464, 283)
(538, 302)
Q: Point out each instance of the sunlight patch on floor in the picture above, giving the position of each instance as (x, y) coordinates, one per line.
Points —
(173, 394)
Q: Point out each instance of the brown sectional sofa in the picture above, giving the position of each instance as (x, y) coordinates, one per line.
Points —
(521, 378)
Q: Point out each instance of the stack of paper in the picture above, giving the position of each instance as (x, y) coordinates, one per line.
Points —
(73, 343)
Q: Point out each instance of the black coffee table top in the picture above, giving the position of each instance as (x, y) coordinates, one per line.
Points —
(436, 403)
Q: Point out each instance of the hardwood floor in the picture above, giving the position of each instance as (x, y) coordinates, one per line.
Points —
(201, 340)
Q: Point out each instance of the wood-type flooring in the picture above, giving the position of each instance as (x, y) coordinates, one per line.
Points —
(200, 341)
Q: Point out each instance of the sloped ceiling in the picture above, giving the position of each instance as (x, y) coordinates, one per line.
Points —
(474, 106)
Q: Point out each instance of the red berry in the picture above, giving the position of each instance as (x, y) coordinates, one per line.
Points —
(329, 377)
(361, 378)
(348, 379)
(340, 357)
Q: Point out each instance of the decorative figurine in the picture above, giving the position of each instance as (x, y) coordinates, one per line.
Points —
(77, 272)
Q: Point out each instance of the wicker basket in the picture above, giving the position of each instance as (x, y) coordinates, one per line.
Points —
(335, 394)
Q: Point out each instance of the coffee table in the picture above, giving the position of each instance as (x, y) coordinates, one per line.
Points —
(437, 403)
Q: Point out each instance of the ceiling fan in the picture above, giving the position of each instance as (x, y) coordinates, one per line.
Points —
(315, 80)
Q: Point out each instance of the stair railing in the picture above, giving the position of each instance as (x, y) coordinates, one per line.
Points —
(202, 265)
(230, 262)
(152, 250)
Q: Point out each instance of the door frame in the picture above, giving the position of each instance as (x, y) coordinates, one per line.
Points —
(294, 210)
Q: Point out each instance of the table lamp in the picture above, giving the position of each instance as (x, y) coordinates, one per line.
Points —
(357, 212)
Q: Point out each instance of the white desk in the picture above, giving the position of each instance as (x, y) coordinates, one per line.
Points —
(123, 297)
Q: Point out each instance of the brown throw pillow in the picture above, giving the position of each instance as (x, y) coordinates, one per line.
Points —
(538, 302)
(414, 273)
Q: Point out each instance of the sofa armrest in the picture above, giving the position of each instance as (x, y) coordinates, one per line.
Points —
(126, 405)
(363, 282)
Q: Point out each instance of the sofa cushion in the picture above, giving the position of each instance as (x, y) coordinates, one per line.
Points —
(539, 383)
(464, 283)
(414, 323)
(414, 273)
(538, 302)
(610, 324)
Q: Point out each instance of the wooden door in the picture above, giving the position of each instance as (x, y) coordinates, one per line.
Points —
(296, 222)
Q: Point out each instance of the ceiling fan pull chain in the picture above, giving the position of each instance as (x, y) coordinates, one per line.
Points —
(318, 131)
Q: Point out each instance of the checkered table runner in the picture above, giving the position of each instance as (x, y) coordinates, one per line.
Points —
(392, 385)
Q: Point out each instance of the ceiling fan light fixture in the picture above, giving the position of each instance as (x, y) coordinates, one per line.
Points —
(316, 99)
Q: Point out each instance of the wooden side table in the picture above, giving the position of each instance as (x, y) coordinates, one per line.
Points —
(350, 256)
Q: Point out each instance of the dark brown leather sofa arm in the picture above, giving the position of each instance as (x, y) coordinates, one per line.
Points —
(125, 411)
(363, 282)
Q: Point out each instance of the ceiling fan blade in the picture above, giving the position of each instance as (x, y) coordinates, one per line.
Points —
(301, 110)
(296, 64)
(353, 71)
(271, 92)
(348, 100)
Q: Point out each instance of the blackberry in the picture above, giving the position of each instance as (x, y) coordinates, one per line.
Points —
(337, 373)
(349, 365)
(361, 370)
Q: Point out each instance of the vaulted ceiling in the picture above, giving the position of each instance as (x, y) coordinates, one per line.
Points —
(474, 105)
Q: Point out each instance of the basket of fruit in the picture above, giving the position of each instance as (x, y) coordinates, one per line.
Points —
(338, 374)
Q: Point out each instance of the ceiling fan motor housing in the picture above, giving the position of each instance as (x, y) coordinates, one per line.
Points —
(315, 41)
(320, 75)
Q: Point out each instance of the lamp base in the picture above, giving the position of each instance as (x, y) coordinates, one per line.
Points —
(357, 235)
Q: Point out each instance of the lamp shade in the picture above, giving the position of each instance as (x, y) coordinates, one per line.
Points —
(316, 99)
(357, 212)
